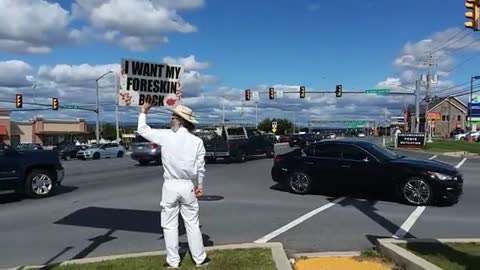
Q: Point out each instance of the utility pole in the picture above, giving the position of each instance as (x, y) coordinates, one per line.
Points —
(417, 106)
(427, 99)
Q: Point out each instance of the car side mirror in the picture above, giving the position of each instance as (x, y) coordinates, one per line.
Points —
(366, 159)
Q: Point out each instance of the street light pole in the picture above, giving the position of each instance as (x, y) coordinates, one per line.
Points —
(97, 134)
(470, 105)
(116, 109)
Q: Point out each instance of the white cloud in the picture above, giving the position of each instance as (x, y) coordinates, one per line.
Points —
(14, 73)
(136, 24)
(188, 63)
(38, 24)
(414, 57)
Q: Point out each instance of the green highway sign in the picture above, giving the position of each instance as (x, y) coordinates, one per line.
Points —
(377, 91)
(356, 124)
(70, 107)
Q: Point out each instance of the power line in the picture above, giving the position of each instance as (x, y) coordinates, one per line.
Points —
(442, 48)
(443, 43)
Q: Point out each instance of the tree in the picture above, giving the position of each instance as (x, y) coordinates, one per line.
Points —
(283, 125)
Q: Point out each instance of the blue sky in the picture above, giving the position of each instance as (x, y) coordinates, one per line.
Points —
(284, 42)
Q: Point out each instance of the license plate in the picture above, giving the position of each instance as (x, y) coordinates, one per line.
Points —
(140, 147)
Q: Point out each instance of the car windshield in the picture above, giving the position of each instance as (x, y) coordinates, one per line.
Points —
(383, 152)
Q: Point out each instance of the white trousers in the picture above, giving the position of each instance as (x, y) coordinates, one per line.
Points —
(179, 196)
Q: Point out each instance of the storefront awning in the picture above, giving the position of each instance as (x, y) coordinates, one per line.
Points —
(3, 131)
(46, 132)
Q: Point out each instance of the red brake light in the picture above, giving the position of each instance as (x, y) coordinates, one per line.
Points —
(277, 159)
(154, 146)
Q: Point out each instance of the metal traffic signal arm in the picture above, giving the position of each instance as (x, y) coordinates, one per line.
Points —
(41, 104)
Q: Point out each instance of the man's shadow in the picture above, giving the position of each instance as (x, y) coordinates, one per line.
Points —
(113, 219)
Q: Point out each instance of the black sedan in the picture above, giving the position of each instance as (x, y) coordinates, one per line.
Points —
(363, 165)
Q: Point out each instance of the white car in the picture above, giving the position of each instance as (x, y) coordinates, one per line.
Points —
(464, 136)
(331, 136)
(102, 151)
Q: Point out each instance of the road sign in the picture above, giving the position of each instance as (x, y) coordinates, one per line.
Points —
(274, 130)
(70, 107)
(356, 124)
(377, 91)
(255, 95)
(274, 124)
(279, 93)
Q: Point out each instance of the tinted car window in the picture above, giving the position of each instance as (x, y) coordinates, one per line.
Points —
(328, 151)
(309, 151)
(236, 131)
(353, 152)
(140, 139)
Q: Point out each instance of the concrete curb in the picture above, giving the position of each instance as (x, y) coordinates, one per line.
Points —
(328, 254)
(389, 247)
(460, 154)
(278, 254)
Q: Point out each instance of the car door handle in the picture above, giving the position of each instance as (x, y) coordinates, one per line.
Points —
(309, 162)
(345, 166)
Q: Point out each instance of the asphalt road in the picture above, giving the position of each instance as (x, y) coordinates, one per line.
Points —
(111, 206)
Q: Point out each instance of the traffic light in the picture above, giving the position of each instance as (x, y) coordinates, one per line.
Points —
(55, 104)
(302, 91)
(338, 90)
(473, 14)
(271, 93)
(247, 94)
(19, 101)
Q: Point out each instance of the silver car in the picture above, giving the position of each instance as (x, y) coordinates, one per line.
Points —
(145, 152)
(106, 150)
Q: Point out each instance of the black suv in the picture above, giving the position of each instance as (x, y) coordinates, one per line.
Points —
(34, 173)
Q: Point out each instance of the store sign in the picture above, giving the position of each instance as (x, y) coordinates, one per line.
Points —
(410, 139)
(434, 116)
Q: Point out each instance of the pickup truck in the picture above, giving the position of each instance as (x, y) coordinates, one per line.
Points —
(235, 143)
(34, 173)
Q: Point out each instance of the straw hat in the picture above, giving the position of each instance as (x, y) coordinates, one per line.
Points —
(184, 112)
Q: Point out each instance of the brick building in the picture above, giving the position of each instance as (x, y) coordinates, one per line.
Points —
(447, 113)
(47, 132)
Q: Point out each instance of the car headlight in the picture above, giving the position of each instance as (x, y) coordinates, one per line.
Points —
(441, 176)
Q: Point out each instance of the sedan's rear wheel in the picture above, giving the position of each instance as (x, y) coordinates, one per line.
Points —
(416, 191)
(300, 183)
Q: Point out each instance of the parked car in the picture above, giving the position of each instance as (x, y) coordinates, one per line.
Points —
(34, 173)
(106, 150)
(145, 152)
(67, 152)
(29, 146)
(363, 165)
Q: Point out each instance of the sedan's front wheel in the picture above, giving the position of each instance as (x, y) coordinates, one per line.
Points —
(300, 183)
(416, 191)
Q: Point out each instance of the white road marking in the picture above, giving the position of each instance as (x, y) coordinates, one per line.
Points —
(433, 157)
(408, 224)
(461, 163)
(297, 221)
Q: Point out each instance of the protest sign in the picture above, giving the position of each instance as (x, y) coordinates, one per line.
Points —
(142, 81)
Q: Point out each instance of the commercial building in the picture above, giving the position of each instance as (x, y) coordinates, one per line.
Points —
(48, 132)
(444, 113)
